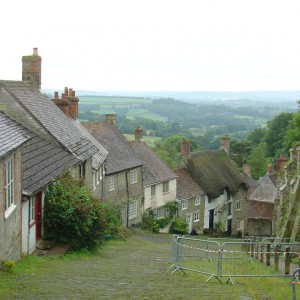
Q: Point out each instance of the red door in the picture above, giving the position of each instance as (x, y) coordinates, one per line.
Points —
(38, 216)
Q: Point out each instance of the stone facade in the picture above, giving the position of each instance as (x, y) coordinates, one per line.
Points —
(10, 224)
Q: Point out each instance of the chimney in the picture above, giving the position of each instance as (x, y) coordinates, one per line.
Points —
(138, 134)
(32, 68)
(225, 144)
(111, 118)
(185, 148)
(62, 103)
(73, 100)
(246, 169)
(270, 169)
(280, 163)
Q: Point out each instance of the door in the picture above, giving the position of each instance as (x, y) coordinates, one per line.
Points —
(189, 222)
(38, 216)
(229, 222)
(211, 219)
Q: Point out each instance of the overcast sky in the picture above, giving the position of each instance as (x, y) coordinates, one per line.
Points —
(155, 45)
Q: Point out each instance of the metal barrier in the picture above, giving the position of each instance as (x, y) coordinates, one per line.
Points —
(295, 281)
(242, 258)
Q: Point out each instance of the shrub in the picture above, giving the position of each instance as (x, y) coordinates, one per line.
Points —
(179, 226)
(72, 215)
(7, 265)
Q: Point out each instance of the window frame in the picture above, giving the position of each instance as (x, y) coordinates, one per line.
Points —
(132, 209)
(111, 183)
(153, 190)
(166, 187)
(82, 170)
(197, 200)
(197, 213)
(238, 205)
(160, 212)
(184, 204)
(31, 210)
(133, 176)
(9, 186)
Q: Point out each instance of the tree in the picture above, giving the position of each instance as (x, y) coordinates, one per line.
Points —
(292, 137)
(256, 136)
(72, 215)
(277, 129)
(258, 160)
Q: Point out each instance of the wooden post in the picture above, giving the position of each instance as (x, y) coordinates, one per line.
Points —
(276, 258)
(268, 254)
(262, 248)
(252, 249)
(287, 261)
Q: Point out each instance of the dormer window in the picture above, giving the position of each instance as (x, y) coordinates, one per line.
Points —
(133, 176)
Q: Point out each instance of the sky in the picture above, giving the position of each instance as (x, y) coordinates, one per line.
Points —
(155, 45)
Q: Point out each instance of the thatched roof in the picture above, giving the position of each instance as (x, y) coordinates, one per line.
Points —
(214, 171)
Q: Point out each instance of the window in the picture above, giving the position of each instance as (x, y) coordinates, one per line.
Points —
(184, 204)
(94, 175)
(238, 205)
(132, 209)
(133, 176)
(111, 183)
(153, 191)
(240, 224)
(31, 210)
(196, 216)
(9, 184)
(82, 170)
(197, 200)
(166, 187)
(100, 174)
(160, 213)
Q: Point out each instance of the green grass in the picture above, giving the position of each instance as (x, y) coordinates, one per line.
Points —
(110, 100)
(149, 140)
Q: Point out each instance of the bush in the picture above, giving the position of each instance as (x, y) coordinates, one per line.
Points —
(179, 226)
(72, 215)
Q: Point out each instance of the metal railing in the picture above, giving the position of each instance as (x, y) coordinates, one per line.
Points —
(240, 258)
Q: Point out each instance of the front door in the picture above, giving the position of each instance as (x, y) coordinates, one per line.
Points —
(229, 224)
(211, 219)
(189, 222)
(38, 216)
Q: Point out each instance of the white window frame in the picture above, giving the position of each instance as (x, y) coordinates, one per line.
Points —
(31, 210)
(98, 176)
(9, 186)
(111, 183)
(160, 212)
(94, 175)
(153, 190)
(166, 187)
(82, 170)
(197, 200)
(238, 205)
(240, 224)
(184, 204)
(132, 209)
(133, 176)
(196, 216)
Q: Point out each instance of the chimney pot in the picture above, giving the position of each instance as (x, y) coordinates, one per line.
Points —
(270, 169)
(63, 96)
(111, 118)
(73, 94)
(246, 169)
(66, 91)
(70, 92)
(35, 51)
(225, 143)
(55, 95)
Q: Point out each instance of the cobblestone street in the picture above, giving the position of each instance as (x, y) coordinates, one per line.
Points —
(132, 269)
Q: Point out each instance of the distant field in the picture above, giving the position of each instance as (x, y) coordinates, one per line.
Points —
(108, 100)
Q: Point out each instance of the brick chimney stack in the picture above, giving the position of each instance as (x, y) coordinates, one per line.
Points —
(246, 169)
(138, 134)
(111, 118)
(280, 163)
(62, 103)
(32, 68)
(225, 144)
(73, 101)
(185, 147)
(270, 169)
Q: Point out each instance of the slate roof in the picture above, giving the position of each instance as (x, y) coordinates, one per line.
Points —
(12, 135)
(214, 171)
(120, 156)
(250, 181)
(43, 162)
(186, 185)
(154, 169)
(30, 107)
(266, 191)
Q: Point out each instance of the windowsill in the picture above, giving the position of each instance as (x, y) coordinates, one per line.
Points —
(9, 211)
(130, 218)
(166, 192)
(238, 209)
(133, 182)
(184, 208)
(153, 196)
(195, 221)
(32, 223)
(197, 204)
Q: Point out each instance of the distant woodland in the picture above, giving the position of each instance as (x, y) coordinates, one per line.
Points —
(261, 126)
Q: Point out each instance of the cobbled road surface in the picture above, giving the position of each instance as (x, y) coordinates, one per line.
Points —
(131, 269)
